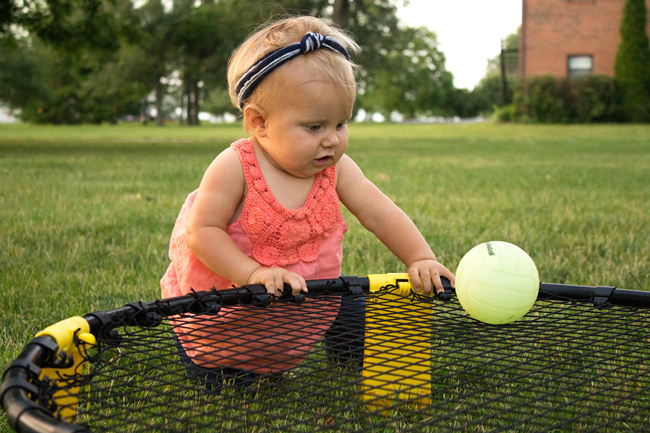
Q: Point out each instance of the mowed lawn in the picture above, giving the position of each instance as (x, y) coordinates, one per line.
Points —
(86, 212)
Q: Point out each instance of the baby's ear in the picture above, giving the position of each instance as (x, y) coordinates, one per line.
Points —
(255, 118)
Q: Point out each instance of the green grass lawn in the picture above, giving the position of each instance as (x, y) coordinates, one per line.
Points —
(86, 212)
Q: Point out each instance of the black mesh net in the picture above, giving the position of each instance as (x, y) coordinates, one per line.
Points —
(371, 362)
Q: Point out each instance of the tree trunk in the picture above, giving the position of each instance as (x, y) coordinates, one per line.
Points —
(180, 117)
(197, 102)
(190, 106)
(341, 15)
(190, 109)
(160, 118)
(186, 109)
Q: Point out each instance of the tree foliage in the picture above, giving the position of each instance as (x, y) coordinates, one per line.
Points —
(632, 66)
(97, 60)
(402, 68)
(70, 24)
(51, 85)
(411, 78)
(61, 72)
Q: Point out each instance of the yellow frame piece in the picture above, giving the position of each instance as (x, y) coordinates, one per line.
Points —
(64, 334)
(397, 361)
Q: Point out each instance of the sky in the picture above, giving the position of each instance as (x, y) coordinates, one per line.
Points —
(469, 31)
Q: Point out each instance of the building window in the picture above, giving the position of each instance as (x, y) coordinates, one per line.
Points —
(578, 66)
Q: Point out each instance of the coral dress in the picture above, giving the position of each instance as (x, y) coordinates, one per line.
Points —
(306, 241)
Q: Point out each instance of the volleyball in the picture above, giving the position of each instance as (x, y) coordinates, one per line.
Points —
(497, 282)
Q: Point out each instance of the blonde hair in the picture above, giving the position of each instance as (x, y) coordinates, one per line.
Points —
(322, 63)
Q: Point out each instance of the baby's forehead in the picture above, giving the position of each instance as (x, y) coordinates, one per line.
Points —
(294, 76)
(296, 70)
(303, 69)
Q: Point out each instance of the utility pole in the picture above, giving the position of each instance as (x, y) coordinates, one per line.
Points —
(504, 81)
(504, 76)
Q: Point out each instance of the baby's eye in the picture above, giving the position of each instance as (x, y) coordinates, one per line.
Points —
(313, 128)
(341, 125)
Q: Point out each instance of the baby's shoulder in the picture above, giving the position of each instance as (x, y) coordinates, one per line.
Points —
(345, 166)
(344, 163)
(230, 151)
(347, 173)
(226, 165)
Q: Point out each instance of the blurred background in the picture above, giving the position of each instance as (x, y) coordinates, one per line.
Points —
(161, 61)
(94, 61)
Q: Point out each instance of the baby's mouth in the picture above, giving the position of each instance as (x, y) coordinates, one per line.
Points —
(323, 160)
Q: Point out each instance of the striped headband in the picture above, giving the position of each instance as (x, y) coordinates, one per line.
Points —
(267, 64)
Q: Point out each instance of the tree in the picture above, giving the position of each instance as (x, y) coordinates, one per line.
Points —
(7, 11)
(63, 71)
(411, 79)
(207, 36)
(155, 29)
(632, 66)
(51, 85)
(402, 68)
(21, 75)
(84, 77)
(341, 13)
(115, 89)
(70, 24)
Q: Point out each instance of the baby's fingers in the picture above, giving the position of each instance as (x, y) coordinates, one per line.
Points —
(437, 283)
(297, 283)
(446, 273)
(274, 285)
(420, 280)
(450, 276)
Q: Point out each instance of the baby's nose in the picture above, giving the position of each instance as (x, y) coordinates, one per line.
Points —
(331, 140)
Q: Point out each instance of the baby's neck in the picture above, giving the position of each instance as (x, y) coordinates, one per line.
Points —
(290, 191)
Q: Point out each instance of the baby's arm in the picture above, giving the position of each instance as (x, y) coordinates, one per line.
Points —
(391, 225)
(220, 194)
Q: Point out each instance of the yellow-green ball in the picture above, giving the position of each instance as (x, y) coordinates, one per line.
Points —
(497, 282)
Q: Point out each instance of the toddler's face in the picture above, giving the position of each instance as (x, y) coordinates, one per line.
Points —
(307, 127)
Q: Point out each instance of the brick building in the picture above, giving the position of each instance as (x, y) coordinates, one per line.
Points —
(570, 37)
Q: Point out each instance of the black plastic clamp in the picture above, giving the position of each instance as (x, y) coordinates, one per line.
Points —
(61, 360)
(102, 324)
(205, 302)
(46, 342)
(102, 317)
(261, 299)
(602, 294)
(288, 296)
(144, 317)
(355, 290)
(297, 298)
(55, 358)
(23, 384)
(28, 367)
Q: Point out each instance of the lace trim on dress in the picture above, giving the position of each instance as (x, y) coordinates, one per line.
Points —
(284, 236)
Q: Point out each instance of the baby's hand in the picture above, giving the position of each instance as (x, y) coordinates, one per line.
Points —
(425, 274)
(274, 279)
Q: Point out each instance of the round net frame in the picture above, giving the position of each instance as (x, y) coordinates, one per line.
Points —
(386, 360)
